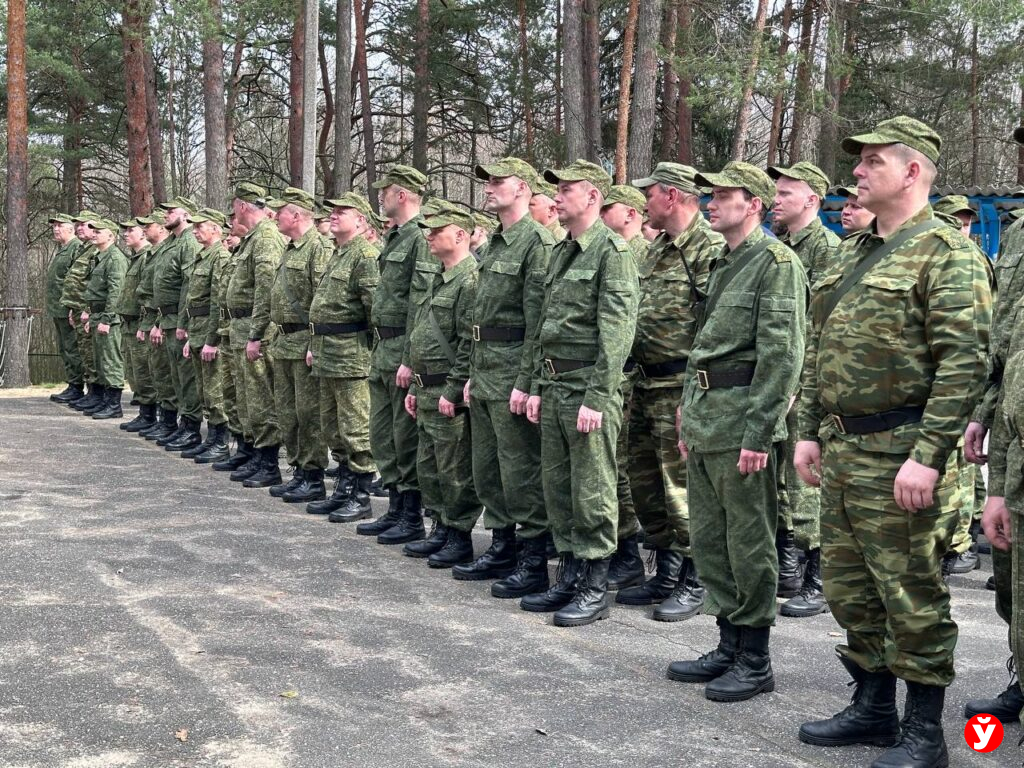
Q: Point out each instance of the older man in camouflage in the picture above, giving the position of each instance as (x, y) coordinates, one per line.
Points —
(63, 227)
(159, 363)
(71, 300)
(136, 353)
(895, 362)
(101, 296)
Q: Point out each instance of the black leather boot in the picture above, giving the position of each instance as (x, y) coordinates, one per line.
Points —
(437, 538)
(559, 594)
(712, 664)
(871, 717)
(660, 585)
(356, 505)
(243, 452)
(145, 419)
(190, 437)
(1006, 706)
(217, 449)
(790, 579)
(281, 489)
(101, 401)
(922, 743)
(386, 520)
(410, 524)
(750, 674)
(627, 567)
(457, 549)
(92, 396)
(811, 600)
(377, 488)
(342, 490)
(269, 472)
(164, 428)
(686, 599)
(71, 392)
(211, 435)
(531, 574)
(590, 602)
(112, 406)
(179, 430)
(312, 488)
(249, 468)
(497, 562)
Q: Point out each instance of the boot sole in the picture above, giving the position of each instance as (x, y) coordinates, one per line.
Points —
(305, 500)
(793, 613)
(506, 594)
(249, 484)
(626, 600)
(604, 613)
(670, 617)
(613, 587)
(402, 540)
(766, 687)
(681, 678)
(420, 555)
(460, 576)
(441, 566)
(878, 741)
(1010, 717)
(356, 519)
(544, 609)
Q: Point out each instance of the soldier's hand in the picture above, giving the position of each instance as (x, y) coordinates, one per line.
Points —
(309, 358)
(684, 451)
(410, 405)
(156, 336)
(465, 391)
(517, 401)
(186, 352)
(71, 318)
(103, 328)
(915, 486)
(252, 351)
(995, 522)
(140, 335)
(208, 353)
(807, 460)
(446, 407)
(86, 327)
(751, 461)
(533, 409)
(180, 334)
(588, 420)
(974, 443)
(84, 317)
(404, 377)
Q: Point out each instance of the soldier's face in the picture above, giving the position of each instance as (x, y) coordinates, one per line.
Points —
(728, 209)
(882, 176)
(208, 232)
(617, 216)
(134, 237)
(792, 198)
(62, 232)
(500, 194)
(103, 237)
(343, 222)
(573, 199)
(390, 200)
(445, 240)
(86, 233)
(855, 216)
(965, 223)
(174, 217)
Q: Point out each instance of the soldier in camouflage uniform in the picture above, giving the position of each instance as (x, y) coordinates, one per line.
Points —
(101, 296)
(743, 369)
(439, 352)
(896, 359)
(136, 357)
(542, 208)
(202, 321)
(585, 332)
(67, 246)
(159, 363)
(248, 303)
(855, 216)
(622, 213)
(71, 300)
(799, 192)
(673, 281)
(506, 446)
(484, 225)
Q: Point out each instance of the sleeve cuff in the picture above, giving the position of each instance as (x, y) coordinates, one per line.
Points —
(930, 455)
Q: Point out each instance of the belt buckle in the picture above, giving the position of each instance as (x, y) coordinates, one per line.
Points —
(640, 368)
(376, 334)
(418, 379)
(702, 379)
(837, 422)
(312, 331)
(549, 364)
(476, 333)
(188, 312)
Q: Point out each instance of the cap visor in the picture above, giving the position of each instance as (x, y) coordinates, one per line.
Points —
(643, 183)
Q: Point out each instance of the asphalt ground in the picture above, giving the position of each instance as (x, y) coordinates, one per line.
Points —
(154, 614)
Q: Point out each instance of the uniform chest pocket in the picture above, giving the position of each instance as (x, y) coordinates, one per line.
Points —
(202, 271)
(665, 295)
(398, 255)
(578, 285)
(443, 308)
(423, 280)
(294, 262)
(879, 309)
(732, 315)
(339, 278)
(506, 267)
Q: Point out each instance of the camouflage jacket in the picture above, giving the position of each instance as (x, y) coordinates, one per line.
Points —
(666, 323)
(103, 288)
(914, 331)
(256, 262)
(1007, 435)
(144, 291)
(203, 295)
(302, 266)
(404, 248)
(816, 245)
(224, 322)
(509, 294)
(756, 314)
(345, 295)
(128, 301)
(72, 293)
(170, 277)
(557, 230)
(55, 274)
(589, 314)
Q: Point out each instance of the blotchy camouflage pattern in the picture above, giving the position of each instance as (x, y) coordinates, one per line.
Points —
(170, 277)
(128, 302)
(109, 357)
(392, 432)
(256, 261)
(444, 466)
(297, 402)
(73, 290)
(183, 378)
(629, 525)
(345, 421)
(301, 268)
(56, 271)
(103, 287)
(816, 245)
(67, 345)
(404, 247)
(160, 374)
(204, 290)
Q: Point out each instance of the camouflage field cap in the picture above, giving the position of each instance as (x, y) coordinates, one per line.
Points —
(1018, 135)
(404, 176)
(107, 224)
(136, 222)
(294, 196)
(677, 175)
(84, 216)
(353, 200)
(846, 191)
(581, 170)
(156, 216)
(951, 205)
(489, 223)
(181, 202)
(508, 166)
(210, 214)
(744, 176)
(322, 212)
(629, 196)
(61, 218)
(446, 213)
(898, 130)
(376, 221)
(804, 171)
(250, 193)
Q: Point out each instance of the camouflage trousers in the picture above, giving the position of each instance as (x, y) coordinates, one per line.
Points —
(256, 410)
(799, 503)
(84, 341)
(345, 421)
(506, 468)
(183, 378)
(444, 467)
(209, 386)
(628, 523)
(137, 361)
(160, 374)
(67, 346)
(732, 536)
(579, 474)
(392, 433)
(972, 486)
(881, 566)
(109, 360)
(657, 471)
(229, 386)
(297, 400)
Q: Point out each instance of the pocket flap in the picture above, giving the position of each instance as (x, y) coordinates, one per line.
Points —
(506, 267)
(579, 274)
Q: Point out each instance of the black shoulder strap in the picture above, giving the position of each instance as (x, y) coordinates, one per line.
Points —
(871, 260)
(757, 250)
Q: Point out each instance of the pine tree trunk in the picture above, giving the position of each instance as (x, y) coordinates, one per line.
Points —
(421, 87)
(295, 99)
(73, 142)
(641, 133)
(325, 129)
(526, 81)
(625, 86)
(802, 104)
(779, 97)
(171, 137)
(669, 83)
(342, 177)
(156, 134)
(828, 137)
(684, 112)
(975, 111)
(592, 79)
(213, 108)
(572, 80)
(140, 176)
(369, 151)
(739, 143)
(234, 82)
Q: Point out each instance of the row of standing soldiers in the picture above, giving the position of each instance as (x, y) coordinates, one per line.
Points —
(571, 387)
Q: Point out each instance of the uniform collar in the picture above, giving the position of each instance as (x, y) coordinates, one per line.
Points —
(587, 237)
(752, 239)
(516, 231)
(923, 215)
(467, 264)
(794, 238)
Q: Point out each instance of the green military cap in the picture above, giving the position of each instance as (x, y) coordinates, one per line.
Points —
(541, 187)
(446, 213)
(107, 224)
(508, 166)
(431, 205)
(677, 175)
(84, 216)
(487, 222)
(898, 130)
(136, 222)
(155, 217)
(376, 221)
(353, 200)
(294, 196)
(631, 196)
(404, 176)
(581, 170)
(210, 214)
(322, 212)
(181, 201)
(846, 191)
(1018, 135)
(744, 176)
(250, 193)
(951, 205)
(61, 218)
(804, 171)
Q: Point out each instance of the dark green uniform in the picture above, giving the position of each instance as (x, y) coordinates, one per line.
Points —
(71, 297)
(170, 284)
(158, 361)
(67, 344)
(232, 386)
(102, 294)
(136, 353)
(202, 320)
